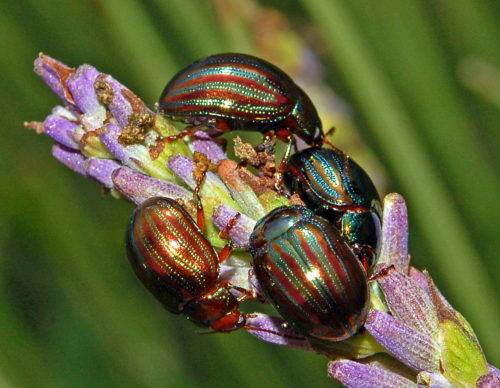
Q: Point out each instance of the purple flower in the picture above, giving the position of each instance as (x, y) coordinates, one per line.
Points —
(106, 133)
(412, 336)
(416, 324)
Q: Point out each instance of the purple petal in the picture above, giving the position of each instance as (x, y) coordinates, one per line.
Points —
(356, 375)
(71, 158)
(395, 233)
(240, 232)
(413, 348)
(203, 143)
(408, 302)
(81, 86)
(126, 154)
(55, 75)
(62, 131)
(491, 380)
(494, 371)
(419, 278)
(138, 187)
(273, 330)
(183, 167)
(120, 107)
(101, 170)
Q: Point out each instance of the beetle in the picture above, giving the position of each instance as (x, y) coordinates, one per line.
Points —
(225, 92)
(309, 273)
(179, 266)
(335, 187)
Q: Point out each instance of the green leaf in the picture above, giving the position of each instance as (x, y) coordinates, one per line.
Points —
(462, 359)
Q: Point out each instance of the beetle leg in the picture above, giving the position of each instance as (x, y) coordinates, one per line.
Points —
(224, 233)
(212, 129)
(224, 253)
(245, 294)
(188, 131)
(281, 169)
(200, 214)
(381, 272)
(230, 322)
(362, 256)
(328, 133)
(201, 164)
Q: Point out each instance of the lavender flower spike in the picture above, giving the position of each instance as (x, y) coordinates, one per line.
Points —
(55, 74)
(412, 336)
(106, 133)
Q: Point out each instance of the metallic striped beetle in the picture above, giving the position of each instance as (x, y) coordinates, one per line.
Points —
(337, 188)
(310, 274)
(225, 92)
(179, 266)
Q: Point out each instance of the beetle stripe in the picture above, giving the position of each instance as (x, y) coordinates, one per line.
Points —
(292, 293)
(314, 262)
(321, 255)
(351, 276)
(325, 177)
(229, 98)
(228, 103)
(174, 248)
(313, 308)
(180, 240)
(240, 78)
(216, 93)
(191, 239)
(316, 301)
(257, 74)
(246, 80)
(223, 89)
(333, 249)
(332, 273)
(162, 256)
(209, 84)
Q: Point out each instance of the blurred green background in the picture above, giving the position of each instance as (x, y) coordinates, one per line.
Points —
(420, 82)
